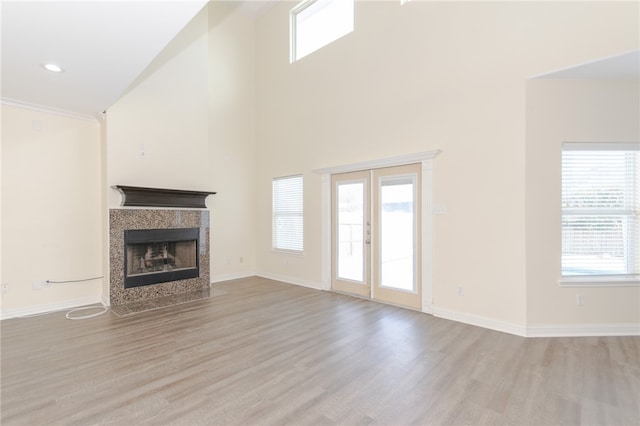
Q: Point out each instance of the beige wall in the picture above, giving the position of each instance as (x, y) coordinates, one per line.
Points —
(232, 127)
(193, 109)
(167, 112)
(423, 76)
(576, 111)
(51, 210)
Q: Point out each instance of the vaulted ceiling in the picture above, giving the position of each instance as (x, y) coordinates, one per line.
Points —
(101, 46)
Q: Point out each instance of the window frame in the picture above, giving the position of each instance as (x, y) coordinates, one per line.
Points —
(277, 214)
(293, 29)
(600, 280)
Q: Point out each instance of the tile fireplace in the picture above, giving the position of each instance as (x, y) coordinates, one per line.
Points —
(155, 253)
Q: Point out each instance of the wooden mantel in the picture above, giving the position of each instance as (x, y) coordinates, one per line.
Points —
(158, 197)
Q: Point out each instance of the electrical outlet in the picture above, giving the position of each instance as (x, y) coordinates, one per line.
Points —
(460, 290)
(439, 209)
(580, 300)
(241, 259)
(40, 284)
(5, 288)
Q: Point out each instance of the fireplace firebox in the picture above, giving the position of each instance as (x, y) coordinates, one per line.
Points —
(160, 255)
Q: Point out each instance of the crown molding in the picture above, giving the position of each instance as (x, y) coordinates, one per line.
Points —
(49, 110)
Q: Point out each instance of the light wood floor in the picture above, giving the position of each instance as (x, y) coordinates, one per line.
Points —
(264, 352)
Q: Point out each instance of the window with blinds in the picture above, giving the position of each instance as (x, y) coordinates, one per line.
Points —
(288, 214)
(600, 211)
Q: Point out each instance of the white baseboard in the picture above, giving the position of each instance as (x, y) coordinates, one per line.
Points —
(481, 321)
(584, 330)
(49, 308)
(105, 301)
(316, 285)
(232, 276)
(546, 330)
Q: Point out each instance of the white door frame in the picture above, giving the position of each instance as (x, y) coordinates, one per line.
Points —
(426, 159)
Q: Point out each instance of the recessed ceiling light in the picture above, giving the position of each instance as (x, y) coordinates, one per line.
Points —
(52, 67)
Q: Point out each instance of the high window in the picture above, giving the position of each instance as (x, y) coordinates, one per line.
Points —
(600, 212)
(288, 214)
(316, 23)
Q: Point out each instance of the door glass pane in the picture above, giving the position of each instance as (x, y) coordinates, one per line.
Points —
(350, 221)
(397, 223)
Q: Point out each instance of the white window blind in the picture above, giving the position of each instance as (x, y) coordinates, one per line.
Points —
(316, 23)
(288, 214)
(600, 210)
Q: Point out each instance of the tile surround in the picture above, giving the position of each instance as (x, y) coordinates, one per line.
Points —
(123, 219)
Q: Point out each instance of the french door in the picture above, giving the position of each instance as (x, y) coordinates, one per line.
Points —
(376, 225)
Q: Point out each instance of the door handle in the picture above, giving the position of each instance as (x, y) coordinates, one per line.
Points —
(367, 242)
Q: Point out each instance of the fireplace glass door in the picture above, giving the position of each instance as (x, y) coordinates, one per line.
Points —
(160, 255)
